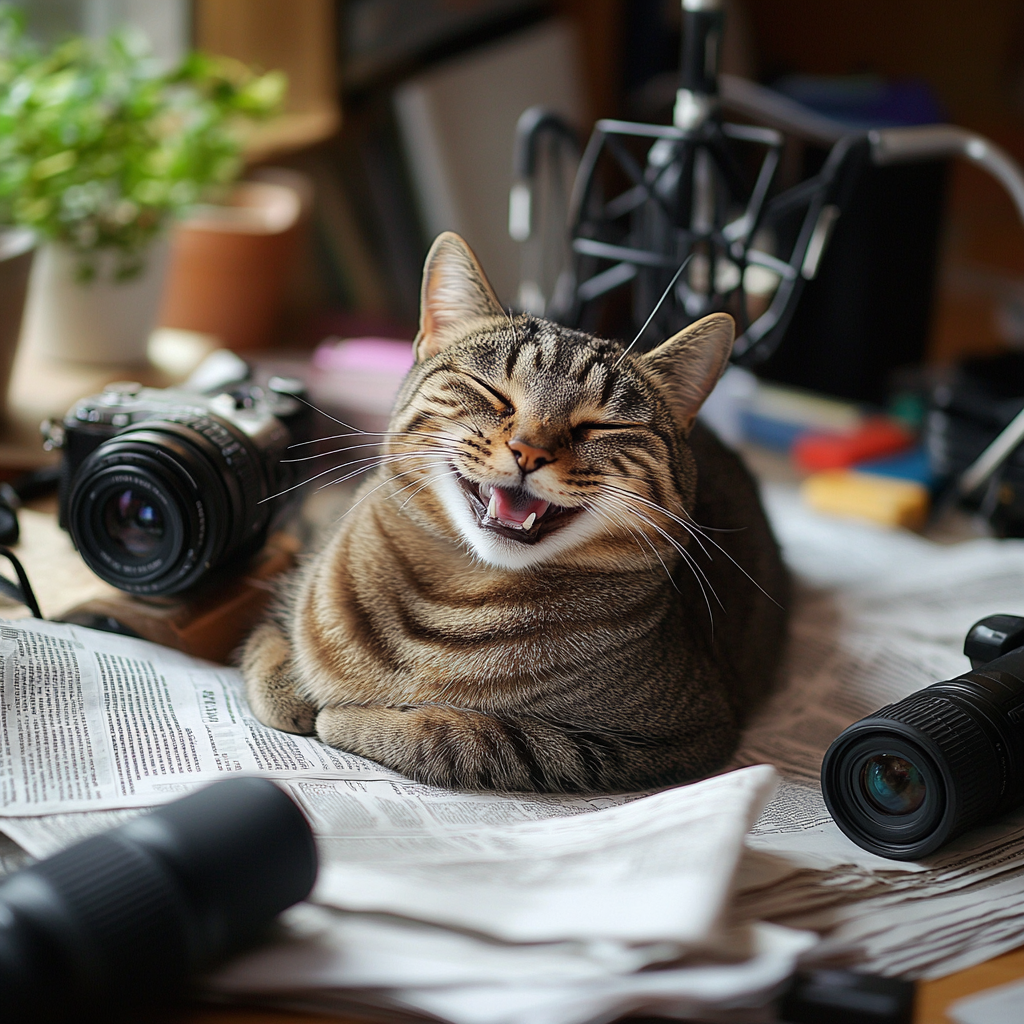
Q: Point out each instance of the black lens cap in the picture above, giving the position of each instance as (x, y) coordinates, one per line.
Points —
(992, 637)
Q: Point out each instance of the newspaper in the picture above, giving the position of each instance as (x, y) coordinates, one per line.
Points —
(658, 869)
(90, 721)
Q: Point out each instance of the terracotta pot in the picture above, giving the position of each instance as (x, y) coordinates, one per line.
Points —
(17, 248)
(230, 266)
(99, 321)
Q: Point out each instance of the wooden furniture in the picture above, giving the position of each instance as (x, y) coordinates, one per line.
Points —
(295, 36)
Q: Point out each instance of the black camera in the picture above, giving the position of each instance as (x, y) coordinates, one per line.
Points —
(160, 486)
(916, 774)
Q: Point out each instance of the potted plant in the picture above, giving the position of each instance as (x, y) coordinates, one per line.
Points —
(99, 151)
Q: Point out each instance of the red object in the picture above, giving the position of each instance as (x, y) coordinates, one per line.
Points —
(874, 439)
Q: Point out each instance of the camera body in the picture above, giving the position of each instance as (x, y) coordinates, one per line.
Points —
(911, 777)
(159, 486)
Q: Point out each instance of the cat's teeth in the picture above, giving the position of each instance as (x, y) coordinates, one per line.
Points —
(529, 521)
(492, 507)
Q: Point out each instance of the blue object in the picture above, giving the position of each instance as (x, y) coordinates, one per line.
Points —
(865, 101)
(912, 465)
(771, 433)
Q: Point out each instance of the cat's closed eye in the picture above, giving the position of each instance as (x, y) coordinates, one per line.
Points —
(581, 430)
(503, 400)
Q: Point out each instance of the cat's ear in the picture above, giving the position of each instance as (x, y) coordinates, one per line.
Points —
(454, 290)
(690, 363)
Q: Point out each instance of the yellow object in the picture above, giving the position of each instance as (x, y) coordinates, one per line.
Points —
(879, 499)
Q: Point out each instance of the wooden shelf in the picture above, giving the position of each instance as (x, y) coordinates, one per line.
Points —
(291, 132)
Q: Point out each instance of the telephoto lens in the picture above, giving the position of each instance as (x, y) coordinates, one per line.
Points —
(909, 778)
(132, 913)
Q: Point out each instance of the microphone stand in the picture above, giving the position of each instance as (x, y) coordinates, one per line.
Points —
(646, 197)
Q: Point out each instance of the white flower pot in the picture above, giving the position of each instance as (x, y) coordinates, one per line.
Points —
(16, 247)
(98, 321)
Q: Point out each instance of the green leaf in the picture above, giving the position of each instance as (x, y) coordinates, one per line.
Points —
(56, 164)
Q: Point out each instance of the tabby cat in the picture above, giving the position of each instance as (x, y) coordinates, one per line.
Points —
(528, 594)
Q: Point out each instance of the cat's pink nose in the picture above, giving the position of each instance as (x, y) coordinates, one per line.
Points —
(527, 457)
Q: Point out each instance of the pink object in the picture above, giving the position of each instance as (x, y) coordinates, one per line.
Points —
(364, 355)
(360, 377)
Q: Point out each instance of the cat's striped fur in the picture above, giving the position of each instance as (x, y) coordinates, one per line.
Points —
(522, 597)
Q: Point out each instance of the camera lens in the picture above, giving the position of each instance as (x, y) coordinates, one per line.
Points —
(128, 915)
(155, 507)
(908, 779)
(893, 784)
(134, 523)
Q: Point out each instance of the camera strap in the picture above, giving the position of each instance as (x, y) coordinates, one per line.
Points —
(21, 591)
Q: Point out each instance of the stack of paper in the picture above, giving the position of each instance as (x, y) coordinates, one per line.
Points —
(522, 909)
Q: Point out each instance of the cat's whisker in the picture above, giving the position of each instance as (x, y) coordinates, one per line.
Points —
(654, 506)
(341, 423)
(373, 490)
(713, 529)
(657, 306)
(687, 556)
(699, 575)
(636, 535)
(384, 461)
(301, 483)
(711, 540)
(697, 532)
(451, 449)
(356, 432)
(374, 461)
(511, 323)
(430, 480)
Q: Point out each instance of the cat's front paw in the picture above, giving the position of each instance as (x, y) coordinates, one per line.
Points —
(440, 745)
(358, 729)
(270, 684)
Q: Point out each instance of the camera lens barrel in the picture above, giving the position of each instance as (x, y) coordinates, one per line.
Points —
(133, 912)
(155, 507)
(916, 774)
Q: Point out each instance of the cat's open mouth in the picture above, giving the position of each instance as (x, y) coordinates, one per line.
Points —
(515, 512)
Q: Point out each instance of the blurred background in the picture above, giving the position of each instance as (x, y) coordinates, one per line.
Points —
(398, 122)
(400, 115)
